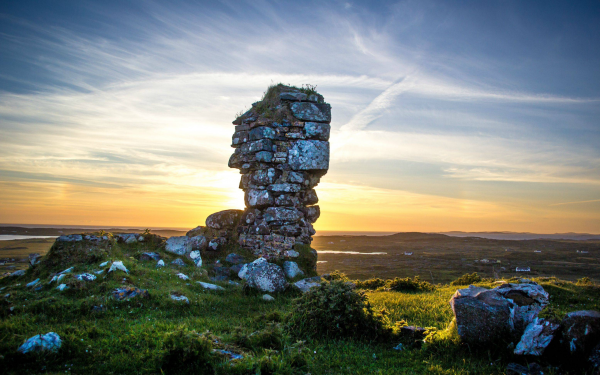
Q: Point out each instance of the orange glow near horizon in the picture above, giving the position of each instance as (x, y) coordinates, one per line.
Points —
(343, 208)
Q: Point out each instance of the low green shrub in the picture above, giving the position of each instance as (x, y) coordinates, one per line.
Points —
(335, 310)
(371, 283)
(409, 285)
(187, 352)
(467, 279)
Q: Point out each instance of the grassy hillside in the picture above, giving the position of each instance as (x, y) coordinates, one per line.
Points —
(156, 334)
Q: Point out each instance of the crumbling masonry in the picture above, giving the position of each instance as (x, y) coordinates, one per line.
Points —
(282, 151)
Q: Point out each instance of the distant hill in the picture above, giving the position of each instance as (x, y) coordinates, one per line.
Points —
(525, 235)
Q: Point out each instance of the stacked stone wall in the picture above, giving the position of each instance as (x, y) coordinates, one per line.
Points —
(282, 151)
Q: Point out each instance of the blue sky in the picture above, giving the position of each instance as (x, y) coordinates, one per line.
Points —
(455, 115)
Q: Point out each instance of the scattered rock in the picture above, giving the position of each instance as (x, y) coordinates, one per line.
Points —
(291, 269)
(537, 337)
(118, 265)
(17, 273)
(62, 287)
(150, 256)
(399, 347)
(233, 258)
(178, 262)
(33, 283)
(160, 263)
(131, 240)
(58, 277)
(179, 245)
(86, 277)
(267, 297)
(182, 276)
(104, 264)
(50, 342)
(216, 243)
(485, 315)
(129, 292)
(196, 258)
(34, 259)
(210, 286)
(68, 270)
(580, 332)
(180, 298)
(264, 276)
(99, 272)
(306, 284)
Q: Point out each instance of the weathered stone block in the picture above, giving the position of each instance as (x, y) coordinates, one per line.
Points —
(262, 132)
(309, 155)
(282, 214)
(318, 112)
(316, 130)
(264, 157)
(256, 146)
(258, 198)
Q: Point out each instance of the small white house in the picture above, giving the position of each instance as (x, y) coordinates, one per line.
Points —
(523, 269)
(537, 251)
(407, 253)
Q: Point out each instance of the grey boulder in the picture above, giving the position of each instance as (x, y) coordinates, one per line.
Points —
(264, 276)
(179, 245)
(485, 315)
(291, 269)
(226, 219)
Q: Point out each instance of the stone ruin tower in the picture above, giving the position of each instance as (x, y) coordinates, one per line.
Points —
(282, 151)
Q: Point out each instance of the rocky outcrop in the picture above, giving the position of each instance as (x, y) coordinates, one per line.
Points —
(282, 151)
(485, 315)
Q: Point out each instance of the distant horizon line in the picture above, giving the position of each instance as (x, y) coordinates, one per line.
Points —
(60, 226)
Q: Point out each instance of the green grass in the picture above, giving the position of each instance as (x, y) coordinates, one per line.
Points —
(141, 335)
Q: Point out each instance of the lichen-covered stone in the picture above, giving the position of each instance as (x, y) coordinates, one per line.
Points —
(258, 198)
(317, 130)
(179, 245)
(264, 276)
(318, 112)
(309, 155)
(226, 219)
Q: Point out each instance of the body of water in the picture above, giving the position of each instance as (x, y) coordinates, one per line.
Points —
(10, 237)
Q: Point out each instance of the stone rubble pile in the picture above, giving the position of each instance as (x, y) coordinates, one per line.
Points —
(282, 151)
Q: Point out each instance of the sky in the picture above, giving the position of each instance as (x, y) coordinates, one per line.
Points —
(446, 115)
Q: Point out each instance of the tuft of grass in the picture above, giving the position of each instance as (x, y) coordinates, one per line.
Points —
(187, 352)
